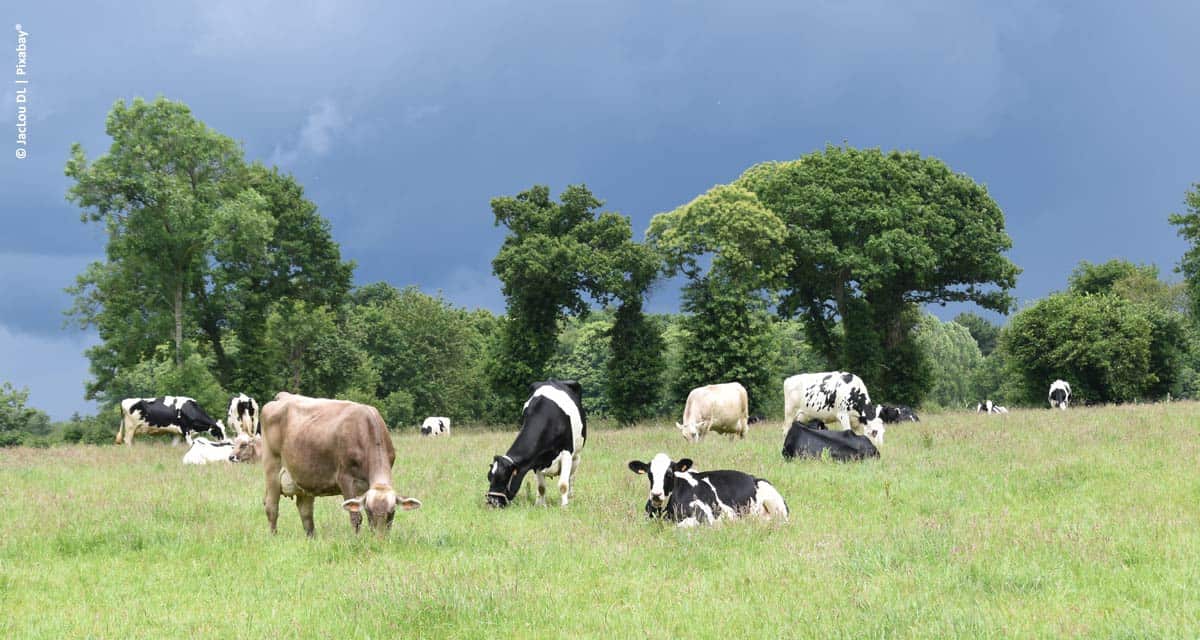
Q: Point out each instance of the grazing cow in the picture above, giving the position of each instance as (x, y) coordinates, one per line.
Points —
(832, 397)
(690, 498)
(553, 431)
(900, 413)
(243, 415)
(722, 408)
(987, 406)
(317, 447)
(1060, 394)
(812, 439)
(204, 451)
(170, 414)
(246, 449)
(435, 426)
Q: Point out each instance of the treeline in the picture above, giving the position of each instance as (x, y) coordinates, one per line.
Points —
(220, 277)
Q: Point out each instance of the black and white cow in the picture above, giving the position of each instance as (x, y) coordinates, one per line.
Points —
(689, 498)
(831, 397)
(170, 414)
(243, 416)
(435, 426)
(987, 406)
(1060, 394)
(553, 431)
(812, 440)
(899, 413)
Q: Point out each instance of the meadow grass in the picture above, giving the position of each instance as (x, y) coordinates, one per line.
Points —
(1035, 524)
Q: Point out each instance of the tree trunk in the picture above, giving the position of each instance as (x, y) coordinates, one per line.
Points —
(178, 323)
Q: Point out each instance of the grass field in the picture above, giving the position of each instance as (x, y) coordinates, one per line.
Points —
(1034, 524)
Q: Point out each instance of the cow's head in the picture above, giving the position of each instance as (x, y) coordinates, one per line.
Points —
(380, 503)
(218, 430)
(504, 480)
(661, 471)
(872, 423)
(426, 430)
(692, 430)
(246, 449)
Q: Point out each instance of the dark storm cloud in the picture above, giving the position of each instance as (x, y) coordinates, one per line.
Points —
(402, 122)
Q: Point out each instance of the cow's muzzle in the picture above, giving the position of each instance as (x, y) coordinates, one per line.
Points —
(497, 499)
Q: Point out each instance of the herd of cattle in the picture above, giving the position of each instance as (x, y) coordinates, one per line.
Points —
(314, 447)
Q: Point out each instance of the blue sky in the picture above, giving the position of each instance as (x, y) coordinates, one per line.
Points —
(403, 119)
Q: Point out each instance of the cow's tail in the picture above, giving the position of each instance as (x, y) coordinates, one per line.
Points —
(121, 425)
(770, 499)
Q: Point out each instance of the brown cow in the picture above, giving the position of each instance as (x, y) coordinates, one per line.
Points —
(721, 408)
(316, 447)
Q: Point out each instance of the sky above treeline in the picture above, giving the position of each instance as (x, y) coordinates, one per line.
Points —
(402, 120)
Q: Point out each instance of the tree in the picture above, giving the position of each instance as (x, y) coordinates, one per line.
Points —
(18, 421)
(871, 237)
(555, 256)
(728, 330)
(954, 357)
(1188, 224)
(199, 245)
(317, 353)
(985, 333)
(1109, 349)
(583, 355)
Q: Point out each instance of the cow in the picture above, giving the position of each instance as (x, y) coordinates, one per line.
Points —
(830, 397)
(1060, 394)
(899, 413)
(317, 447)
(170, 414)
(812, 440)
(722, 408)
(687, 497)
(246, 449)
(243, 415)
(989, 407)
(553, 432)
(204, 451)
(435, 426)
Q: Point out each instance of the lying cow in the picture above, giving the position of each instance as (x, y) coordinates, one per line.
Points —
(690, 498)
(987, 406)
(1060, 394)
(892, 414)
(246, 449)
(832, 397)
(204, 451)
(176, 415)
(317, 447)
(435, 426)
(721, 408)
(553, 432)
(243, 415)
(813, 440)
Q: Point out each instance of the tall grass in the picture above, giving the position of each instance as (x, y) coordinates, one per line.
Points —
(1049, 524)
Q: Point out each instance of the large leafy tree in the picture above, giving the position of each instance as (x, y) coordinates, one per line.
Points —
(730, 248)
(199, 246)
(954, 358)
(985, 333)
(871, 236)
(1188, 227)
(17, 419)
(555, 257)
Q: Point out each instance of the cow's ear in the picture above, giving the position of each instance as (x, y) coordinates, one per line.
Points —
(408, 504)
(637, 466)
(683, 465)
(353, 505)
(574, 386)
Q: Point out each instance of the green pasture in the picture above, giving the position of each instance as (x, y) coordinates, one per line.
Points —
(1035, 524)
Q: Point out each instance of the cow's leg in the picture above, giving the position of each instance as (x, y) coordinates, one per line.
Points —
(175, 440)
(271, 467)
(541, 487)
(574, 468)
(843, 419)
(304, 504)
(566, 467)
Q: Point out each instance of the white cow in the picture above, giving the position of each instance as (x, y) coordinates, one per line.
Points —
(832, 397)
(989, 407)
(1060, 394)
(204, 451)
(722, 408)
(435, 426)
